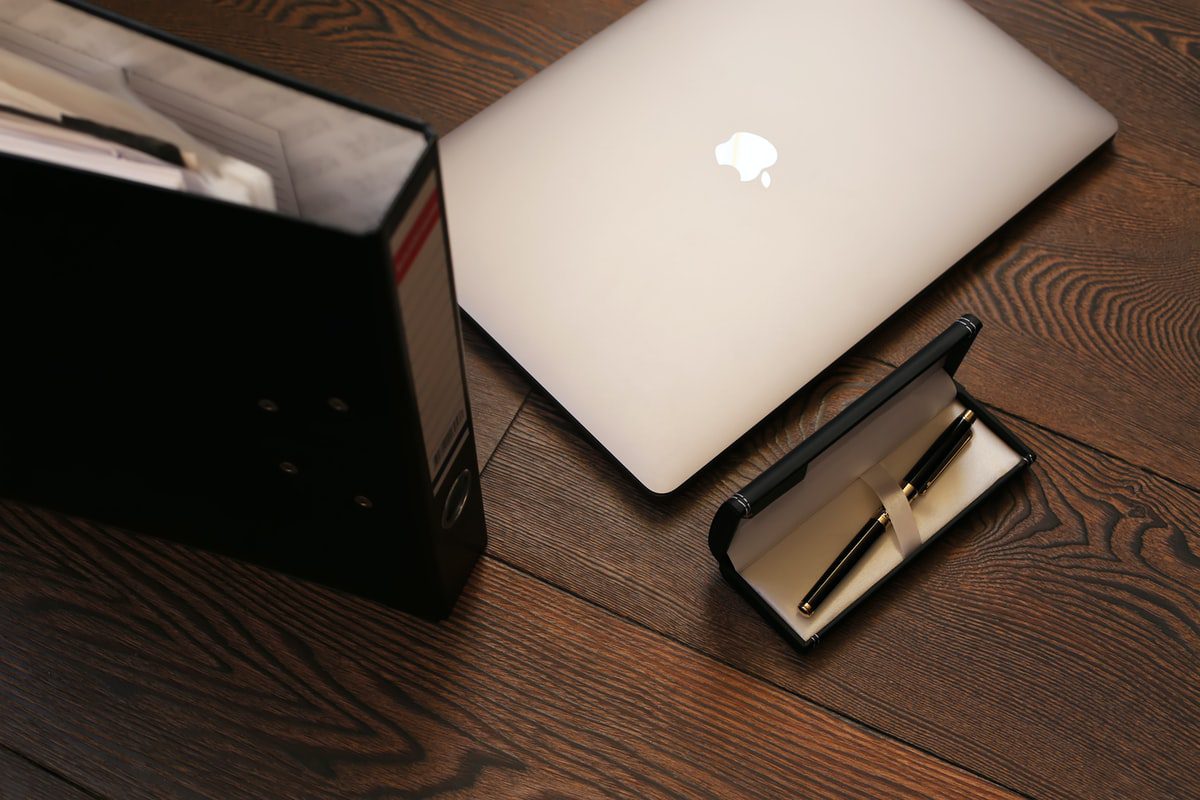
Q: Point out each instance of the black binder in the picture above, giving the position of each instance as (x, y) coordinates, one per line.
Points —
(283, 387)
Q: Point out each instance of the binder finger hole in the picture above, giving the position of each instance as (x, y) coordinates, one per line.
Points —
(456, 499)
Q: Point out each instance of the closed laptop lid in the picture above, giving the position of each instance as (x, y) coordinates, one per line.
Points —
(683, 221)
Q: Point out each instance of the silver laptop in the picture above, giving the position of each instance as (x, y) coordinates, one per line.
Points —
(683, 221)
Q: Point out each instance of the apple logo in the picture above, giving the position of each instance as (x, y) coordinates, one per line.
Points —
(750, 154)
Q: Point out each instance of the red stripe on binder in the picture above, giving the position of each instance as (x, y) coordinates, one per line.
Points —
(411, 247)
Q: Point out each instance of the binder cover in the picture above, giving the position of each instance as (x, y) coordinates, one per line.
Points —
(284, 387)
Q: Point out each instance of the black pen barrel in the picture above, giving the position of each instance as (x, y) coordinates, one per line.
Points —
(845, 561)
(942, 449)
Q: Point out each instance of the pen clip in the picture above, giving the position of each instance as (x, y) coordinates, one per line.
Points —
(949, 460)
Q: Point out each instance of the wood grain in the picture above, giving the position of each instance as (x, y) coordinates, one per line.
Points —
(21, 780)
(1047, 643)
(1091, 306)
(1141, 60)
(496, 387)
(147, 670)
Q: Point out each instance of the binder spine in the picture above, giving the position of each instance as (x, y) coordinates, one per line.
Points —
(431, 341)
(429, 320)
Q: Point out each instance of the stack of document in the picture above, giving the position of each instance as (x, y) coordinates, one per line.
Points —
(51, 117)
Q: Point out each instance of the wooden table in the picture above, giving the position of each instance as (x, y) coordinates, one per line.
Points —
(1049, 646)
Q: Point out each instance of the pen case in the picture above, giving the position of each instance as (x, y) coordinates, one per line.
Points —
(774, 538)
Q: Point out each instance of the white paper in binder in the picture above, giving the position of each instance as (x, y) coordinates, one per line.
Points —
(35, 100)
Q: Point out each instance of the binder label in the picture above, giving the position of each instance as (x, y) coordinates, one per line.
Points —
(430, 321)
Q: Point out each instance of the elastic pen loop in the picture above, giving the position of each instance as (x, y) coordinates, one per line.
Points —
(902, 523)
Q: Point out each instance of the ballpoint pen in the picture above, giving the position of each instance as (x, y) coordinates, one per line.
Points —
(927, 469)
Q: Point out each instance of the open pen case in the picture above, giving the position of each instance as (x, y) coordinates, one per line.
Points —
(775, 537)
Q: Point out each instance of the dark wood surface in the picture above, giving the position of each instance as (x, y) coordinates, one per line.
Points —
(30, 781)
(1049, 646)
